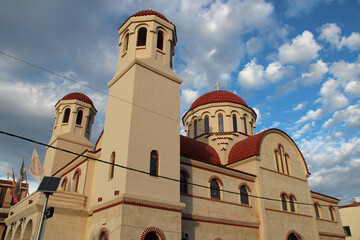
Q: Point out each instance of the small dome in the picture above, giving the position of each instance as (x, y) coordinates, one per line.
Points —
(149, 12)
(217, 97)
(78, 96)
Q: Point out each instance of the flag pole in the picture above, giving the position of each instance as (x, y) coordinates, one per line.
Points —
(27, 189)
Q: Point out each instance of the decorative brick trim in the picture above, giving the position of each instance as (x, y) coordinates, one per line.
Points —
(283, 174)
(157, 230)
(30, 201)
(217, 178)
(294, 232)
(105, 231)
(135, 204)
(99, 199)
(246, 186)
(116, 192)
(215, 200)
(186, 172)
(330, 235)
(77, 170)
(217, 222)
(294, 213)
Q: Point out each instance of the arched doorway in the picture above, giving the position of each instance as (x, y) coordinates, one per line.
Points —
(151, 236)
(293, 236)
(28, 230)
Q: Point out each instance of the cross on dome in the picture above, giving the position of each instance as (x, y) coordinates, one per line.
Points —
(217, 85)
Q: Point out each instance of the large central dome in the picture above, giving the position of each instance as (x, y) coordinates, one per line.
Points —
(217, 97)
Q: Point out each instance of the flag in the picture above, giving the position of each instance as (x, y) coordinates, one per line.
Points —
(21, 177)
(36, 168)
(14, 198)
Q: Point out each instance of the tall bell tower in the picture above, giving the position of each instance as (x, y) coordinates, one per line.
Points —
(142, 129)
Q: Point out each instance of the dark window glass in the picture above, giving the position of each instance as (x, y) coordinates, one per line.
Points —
(283, 202)
(244, 196)
(245, 125)
(141, 40)
(195, 128)
(332, 217)
(221, 122)
(88, 123)
(112, 166)
(126, 42)
(347, 231)
(183, 182)
(2, 196)
(234, 123)
(207, 130)
(79, 117)
(66, 115)
(317, 213)
(151, 236)
(215, 189)
(160, 40)
(76, 181)
(293, 236)
(154, 159)
(292, 204)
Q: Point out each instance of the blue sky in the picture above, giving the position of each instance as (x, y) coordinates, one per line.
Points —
(297, 63)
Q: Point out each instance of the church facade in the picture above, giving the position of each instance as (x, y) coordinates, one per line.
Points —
(142, 180)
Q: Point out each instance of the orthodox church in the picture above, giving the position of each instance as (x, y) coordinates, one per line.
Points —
(142, 180)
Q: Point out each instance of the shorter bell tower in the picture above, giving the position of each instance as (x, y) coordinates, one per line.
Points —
(74, 117)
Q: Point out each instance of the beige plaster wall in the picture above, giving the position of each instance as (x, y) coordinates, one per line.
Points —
(350, 216)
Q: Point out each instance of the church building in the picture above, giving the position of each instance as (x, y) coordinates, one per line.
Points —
(142, 180)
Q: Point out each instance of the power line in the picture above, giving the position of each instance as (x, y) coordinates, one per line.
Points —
(85, 85)
(147, 173)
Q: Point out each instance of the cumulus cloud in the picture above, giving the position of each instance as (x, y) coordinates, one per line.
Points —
(331, 33)
(344, 71)
(188, 96)
(302, 131)
(299, 106)
(316, 73)
(331, 97)
(311, 115)
(275, 71)
(302, 49)
(350, 117)
(252, 75)
(353, 88)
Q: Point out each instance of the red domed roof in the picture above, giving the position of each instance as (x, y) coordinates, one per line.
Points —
(78, 96)
(217, 97)
(149, 12)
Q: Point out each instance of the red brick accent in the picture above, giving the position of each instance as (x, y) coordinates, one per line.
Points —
(158, 231)
(116, 192)
(292, 231)
(217, 178)
(11, 213)
(30, 201)
(99, 199)
(329, 235)
(105, 231)
(77, 170)
(246, 185)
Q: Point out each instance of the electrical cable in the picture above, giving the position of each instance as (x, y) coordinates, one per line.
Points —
(85, 85)
(147, 173)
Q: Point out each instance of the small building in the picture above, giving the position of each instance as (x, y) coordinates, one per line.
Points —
(142, 180)
(350, 217)
(6, 200)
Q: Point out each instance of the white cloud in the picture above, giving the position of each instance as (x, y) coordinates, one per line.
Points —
(349, 116)
(311, 115)
(299, 106)
(254, 45)
(302, 49)
(275, 71)
(345, 72)
(302, 131)
(331, 33)
(252, 75)
(316, 73)
(258, 118)
(352, 42)
(331, 97)
(353, 88)
(188, 96)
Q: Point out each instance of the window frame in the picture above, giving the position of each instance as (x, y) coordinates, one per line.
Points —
(141, 37)
(244, 195)
(234, 120)
(215, 190)
(79, 117)
(154, 163)
(284, 202)
(221, 122)
(66, 116)
(160, 40)
(206, 124)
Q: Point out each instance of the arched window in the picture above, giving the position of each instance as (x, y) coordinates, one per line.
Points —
(244, 196)
(154, 162)
(183, 182)
(76, 181)
(79, 117)
(277, 160)
(88, 124)
(160, 40)
(292, 203)
(293, 236)
(317, 210)
(332, 215)
(141, 40)
(195, 128)
(214, 189)
(283, 202)
(151, 236)
(234, 122)
(126, 42)
(245, 125)
(221, 122)
(64, 184)
(66, 115)
(111, 165)
(286, 163)
(206, 122)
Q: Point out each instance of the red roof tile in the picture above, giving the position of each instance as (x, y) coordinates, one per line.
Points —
(217, 97)
(351, 205)
(78, 96)
(193, 149)
(251, 147)
(149, 12)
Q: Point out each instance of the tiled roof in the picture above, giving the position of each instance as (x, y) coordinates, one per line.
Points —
(78, 96)
(149, 12)
(251, 147)
(351, 205)
(217, 97)
(193, 149)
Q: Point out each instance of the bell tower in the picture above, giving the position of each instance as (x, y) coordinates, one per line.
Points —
(74, 117)
(142, 129)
